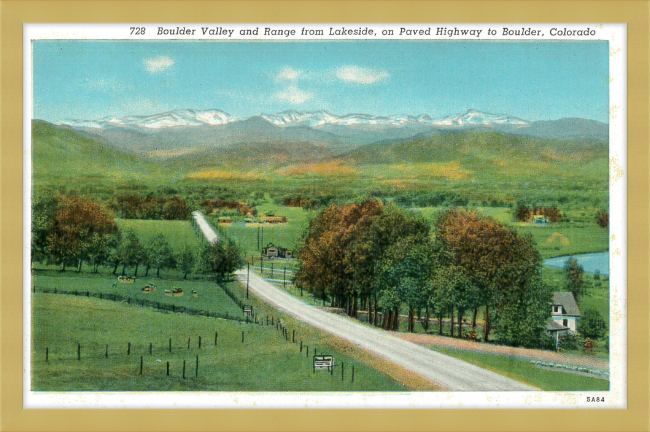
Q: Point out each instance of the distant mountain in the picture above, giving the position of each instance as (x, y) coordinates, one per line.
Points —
(172, 119)
(291, 118)
(474, 145)
(476, 118)
(569, 128)
(214, 135)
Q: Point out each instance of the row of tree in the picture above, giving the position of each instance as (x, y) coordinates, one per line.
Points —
(382, 258)
(73, 230)
(136, 206)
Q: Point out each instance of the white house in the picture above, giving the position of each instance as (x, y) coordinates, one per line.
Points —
(565, 315)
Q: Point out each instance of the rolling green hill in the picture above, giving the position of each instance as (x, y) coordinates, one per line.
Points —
(60, 154)
(475, 146)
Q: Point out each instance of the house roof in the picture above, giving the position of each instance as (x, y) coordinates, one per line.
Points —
(555, 326)
(566, 300)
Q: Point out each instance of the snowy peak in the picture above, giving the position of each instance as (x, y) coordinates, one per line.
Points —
(179, 118)
(477, 118)
(313, 119)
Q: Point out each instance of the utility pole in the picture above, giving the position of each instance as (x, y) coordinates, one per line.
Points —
(248, 272)
(285, 278)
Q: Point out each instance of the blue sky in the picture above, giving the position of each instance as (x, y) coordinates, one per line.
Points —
(530, 80)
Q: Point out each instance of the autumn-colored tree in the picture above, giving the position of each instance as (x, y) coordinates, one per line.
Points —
(331, 258)
(176, 208)
(77, 225)
(497, 260)
(553, 214)
(522, 213)
(343, 247)
(602, 219)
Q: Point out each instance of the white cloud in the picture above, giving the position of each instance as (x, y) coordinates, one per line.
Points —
(158, 64)
(288, 74)
(294, 95)
(360, 75)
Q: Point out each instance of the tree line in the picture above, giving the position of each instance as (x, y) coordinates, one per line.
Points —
(73, 230)
(384, 259)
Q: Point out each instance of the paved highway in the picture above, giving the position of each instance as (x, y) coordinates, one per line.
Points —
(448, 372)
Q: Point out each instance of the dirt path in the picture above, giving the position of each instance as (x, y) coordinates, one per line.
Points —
(434, 341)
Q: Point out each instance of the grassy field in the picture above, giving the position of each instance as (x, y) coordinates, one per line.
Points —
(210, 296)
(526, 372)
(265, 361)
(178, 233)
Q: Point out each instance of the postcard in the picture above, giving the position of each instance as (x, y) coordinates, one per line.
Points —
(325, 216)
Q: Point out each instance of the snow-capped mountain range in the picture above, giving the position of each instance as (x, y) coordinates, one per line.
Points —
(314, 119)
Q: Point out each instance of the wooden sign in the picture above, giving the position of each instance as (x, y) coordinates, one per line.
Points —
(323, 362)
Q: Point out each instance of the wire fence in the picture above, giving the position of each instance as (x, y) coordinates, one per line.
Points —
(162, 306)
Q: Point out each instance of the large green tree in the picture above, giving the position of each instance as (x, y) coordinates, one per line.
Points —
(222, 258)
(574, 274)
(498, 261)
(130, 251)
(160, 254)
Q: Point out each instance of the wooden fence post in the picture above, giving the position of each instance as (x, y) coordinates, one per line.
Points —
(47, 354)
(307, 354)
(78, 351)
(242, 336)
(141, 365)
(199, 342)
(128, 350)
(342, 370)
(197, 366)
(293, 336)
(183, 369)
(150, 348)
(300, 346)
(352, 380)
(188, 343)
(215, 338)
(106, 353)
(170, 344)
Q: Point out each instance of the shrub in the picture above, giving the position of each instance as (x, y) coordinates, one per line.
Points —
(592, 325)
(569, 342)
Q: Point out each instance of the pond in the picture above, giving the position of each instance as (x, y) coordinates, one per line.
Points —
(589, 262)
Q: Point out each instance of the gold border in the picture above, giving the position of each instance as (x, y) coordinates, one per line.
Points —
(14, 13)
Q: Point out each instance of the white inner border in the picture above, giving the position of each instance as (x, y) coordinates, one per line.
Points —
(616, 34)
